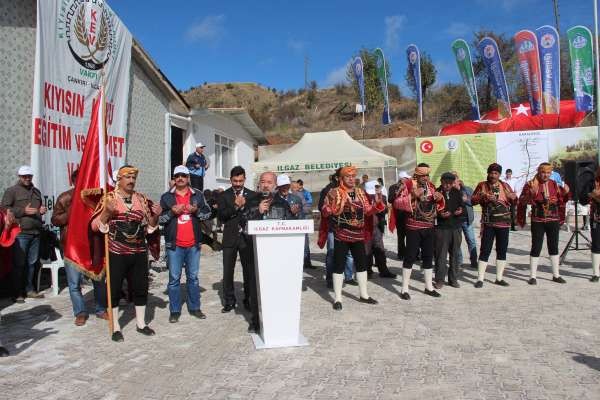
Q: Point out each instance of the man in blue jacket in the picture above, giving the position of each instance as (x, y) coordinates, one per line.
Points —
(197, 163)
(183, 209)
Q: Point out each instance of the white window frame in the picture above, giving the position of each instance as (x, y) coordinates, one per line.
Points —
(219, 136)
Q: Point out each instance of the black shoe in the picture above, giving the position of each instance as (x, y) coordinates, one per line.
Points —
(532, 281)
(20, 300)
(474, 265)
(4, 352)
(329, 284)
(432, 293)
(454, 284)
(145, 331)
(174, 317)
(117, 336)
(387, 274)
(227, 308)
(198, 314)
(370, 300)
(253, 328)
(501, 283)
(558, 280)
(247, 304)
(370, 274)
(405, 296)
(351, 282)
(594, 278)
(478, 284)
(337, 306)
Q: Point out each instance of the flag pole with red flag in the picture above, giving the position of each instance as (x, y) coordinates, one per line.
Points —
(84, 248)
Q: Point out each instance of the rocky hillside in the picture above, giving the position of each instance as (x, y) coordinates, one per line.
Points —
(285, 116)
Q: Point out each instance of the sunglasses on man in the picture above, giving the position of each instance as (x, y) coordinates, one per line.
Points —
(180, 176)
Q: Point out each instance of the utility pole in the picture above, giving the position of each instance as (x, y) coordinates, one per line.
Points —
(556, 16)
(306, 61)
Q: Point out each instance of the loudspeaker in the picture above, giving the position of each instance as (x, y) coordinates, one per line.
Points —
(579, 175)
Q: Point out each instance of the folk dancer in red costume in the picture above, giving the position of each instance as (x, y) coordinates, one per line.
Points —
(127, 217)
(496, 198)
(348, 205)
(9, 229)
(595, 231)
(547, 201)
(419, 199)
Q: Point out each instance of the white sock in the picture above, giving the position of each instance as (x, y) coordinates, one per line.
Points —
(429, 279)
(533, 264)
(500, 265)
(361, 277)
(140, 316)
(555, 261)
(115, 318)
(596, 264)
(405, 279)
(481, 267)
(338, 281)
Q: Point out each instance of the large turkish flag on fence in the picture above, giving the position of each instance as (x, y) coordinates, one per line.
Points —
(521, 120)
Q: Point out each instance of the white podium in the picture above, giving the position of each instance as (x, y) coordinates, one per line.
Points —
(278, 262)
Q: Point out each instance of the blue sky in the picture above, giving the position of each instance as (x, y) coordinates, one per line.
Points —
(195, 41)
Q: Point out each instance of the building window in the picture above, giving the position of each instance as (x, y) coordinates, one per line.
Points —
(224, 155)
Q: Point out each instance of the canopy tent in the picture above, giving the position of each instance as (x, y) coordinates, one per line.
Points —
(322, 151)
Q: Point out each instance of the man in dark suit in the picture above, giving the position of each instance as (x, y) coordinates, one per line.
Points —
(232, 210)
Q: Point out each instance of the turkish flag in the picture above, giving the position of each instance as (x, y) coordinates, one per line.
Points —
(521, 120)
(84, 248)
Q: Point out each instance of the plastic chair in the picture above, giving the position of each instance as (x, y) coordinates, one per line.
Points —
(53, 266)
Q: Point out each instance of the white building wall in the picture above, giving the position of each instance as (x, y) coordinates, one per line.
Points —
(204, 128)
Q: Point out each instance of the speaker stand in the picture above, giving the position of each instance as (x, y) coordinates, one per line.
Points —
(575, 238)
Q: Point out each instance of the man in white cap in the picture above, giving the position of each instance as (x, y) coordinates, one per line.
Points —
(182, 210)
(284, 193)
(25, 202)
(398, 216)
(197, 163)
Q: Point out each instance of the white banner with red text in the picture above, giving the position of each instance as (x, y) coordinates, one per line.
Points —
(81, 45)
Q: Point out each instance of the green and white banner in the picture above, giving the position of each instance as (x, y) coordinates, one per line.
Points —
(462, 53)
(581, 49)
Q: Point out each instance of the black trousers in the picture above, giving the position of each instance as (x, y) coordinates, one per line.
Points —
(244, 249)
(595, 233)
(447, 241)
(538, 229)
(419, 239)
(197, 182)
(130, 266)
(341, 249)
(401, 232)
(487, 242)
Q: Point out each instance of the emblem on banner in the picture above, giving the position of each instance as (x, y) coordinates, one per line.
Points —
(547, 41)
(89, 33)
(412, 57)
(489, 51)
(426, 146)
(579, 42)
(461, 54)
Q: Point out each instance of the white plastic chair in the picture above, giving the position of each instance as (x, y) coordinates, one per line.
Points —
(53, 266)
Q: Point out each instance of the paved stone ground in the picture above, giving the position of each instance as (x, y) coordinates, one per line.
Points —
(519, 342)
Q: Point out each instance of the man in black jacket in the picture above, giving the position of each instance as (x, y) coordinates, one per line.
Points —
(25, 202)
(233, 208)
(183, 209)
(448, 236)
